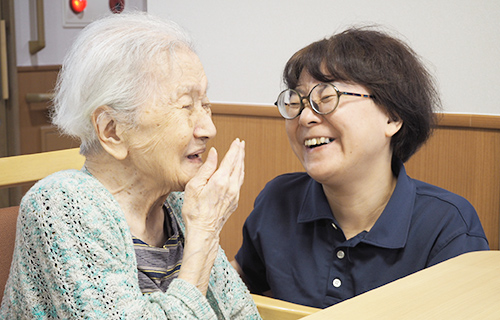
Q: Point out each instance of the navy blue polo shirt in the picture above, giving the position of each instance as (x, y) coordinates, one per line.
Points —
(293, 246)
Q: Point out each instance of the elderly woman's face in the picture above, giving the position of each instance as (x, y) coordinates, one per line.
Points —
(345, 144)
(167, 145)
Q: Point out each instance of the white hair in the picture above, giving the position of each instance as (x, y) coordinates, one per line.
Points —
(115, 62)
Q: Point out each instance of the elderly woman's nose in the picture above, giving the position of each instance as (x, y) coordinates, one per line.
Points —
(205, 127)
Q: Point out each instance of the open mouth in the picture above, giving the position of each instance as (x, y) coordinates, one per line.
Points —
(317, 142)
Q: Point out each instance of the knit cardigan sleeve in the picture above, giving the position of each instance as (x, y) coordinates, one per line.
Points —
(74, 259)
(227, 294)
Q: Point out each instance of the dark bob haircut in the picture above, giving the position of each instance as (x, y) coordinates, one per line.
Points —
(387, 67)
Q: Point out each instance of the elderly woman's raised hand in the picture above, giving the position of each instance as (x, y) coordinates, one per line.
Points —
(210, 197)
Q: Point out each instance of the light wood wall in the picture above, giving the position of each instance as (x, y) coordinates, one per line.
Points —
(462, 156)
(36, 132)
(268, 154)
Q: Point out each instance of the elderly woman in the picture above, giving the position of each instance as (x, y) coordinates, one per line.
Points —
(118, 239)
(358, 105)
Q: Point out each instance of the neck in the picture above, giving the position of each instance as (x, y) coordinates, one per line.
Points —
(140, 200)
(358, 204)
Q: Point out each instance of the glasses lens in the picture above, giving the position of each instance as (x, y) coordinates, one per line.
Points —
(324, 98)
(289, 103)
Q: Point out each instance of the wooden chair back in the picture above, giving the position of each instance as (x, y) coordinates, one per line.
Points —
(21, 170)
(8, 218)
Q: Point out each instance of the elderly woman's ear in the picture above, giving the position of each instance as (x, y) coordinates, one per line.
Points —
(109, 132)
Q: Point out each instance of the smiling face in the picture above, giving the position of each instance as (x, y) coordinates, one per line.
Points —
(166, 146)
(346, 144)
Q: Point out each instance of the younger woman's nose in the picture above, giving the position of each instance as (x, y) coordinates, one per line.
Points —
(308, 116)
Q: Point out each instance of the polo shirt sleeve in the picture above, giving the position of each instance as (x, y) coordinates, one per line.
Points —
(249, 257)
(268, 231)
(462, 233)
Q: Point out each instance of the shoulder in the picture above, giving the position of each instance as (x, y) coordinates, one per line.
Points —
(447, 222)
(450, 208)
(290, 178)
(71, 195)
(70, 187)
(432, 203)
(62, 185)
(289, 181)
(66, 181)
(283, 191)
(282, 196)
(433, 195)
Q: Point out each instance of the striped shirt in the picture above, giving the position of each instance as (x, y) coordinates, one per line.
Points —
(157, 267)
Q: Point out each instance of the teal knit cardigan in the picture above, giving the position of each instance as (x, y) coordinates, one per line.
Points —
(74, 259)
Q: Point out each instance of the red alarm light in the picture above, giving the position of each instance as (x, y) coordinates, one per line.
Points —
(78, 5)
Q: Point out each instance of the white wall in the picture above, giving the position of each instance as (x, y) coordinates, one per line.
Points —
(245, 44)
(57, 38)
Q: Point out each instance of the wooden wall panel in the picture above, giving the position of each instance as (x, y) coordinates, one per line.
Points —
(36, 132)
(465, 161)
(267, 155)
(462, 156)
(33, 116)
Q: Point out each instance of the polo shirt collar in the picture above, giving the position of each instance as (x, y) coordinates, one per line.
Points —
(392, 227)
(390, 230)
(314, 205)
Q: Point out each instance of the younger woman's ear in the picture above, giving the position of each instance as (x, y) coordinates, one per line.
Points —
(109, 132)
(393, 126)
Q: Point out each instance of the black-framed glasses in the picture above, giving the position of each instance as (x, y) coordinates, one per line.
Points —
(323, 98)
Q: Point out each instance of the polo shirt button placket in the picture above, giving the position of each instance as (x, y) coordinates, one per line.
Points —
(337, 282)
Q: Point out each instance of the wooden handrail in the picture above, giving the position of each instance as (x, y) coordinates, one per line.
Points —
(39, 44)
(38, 97)
(469, 121)
(444, 119)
